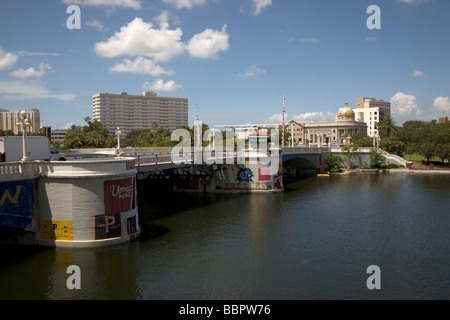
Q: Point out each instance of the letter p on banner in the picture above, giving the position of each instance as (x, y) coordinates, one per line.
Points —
(74, 281)
(374, 281)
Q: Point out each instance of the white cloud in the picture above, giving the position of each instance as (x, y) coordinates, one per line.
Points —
(254, 71)
(188, 4)
(277, 118)
(141, 66)
(442, 104)
(403, 105)
(161, 86)
(312, 40)
(20, 90)
(95, 24)
(7, 60)
(209, 43)
(412, 1)
(31, 72)
(135, 4)
(419, 74)
(259, 5)
(30, 54)
(139, 38)
(315, 116)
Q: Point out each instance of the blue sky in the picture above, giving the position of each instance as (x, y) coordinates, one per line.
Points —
(235, 59)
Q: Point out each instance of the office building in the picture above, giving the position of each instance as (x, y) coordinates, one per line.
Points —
(9, 120)
(327, 132)
(131, 112)
(371, 111)
(58, 135)
(443, 119)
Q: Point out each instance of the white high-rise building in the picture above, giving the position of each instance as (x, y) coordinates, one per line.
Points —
(371, 111)
(130, 112)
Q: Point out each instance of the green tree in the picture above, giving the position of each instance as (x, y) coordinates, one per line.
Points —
(394, 146)
(361, 140)
(91, 135)
(387, 127)
(376, 159)
(334, 163)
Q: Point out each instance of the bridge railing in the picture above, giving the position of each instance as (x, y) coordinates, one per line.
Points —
(18, 170)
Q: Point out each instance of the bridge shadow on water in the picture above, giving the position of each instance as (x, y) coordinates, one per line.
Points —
(291, 176)
(156, 200)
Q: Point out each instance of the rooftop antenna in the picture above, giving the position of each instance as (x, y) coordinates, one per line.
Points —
(282, 129)
(198, 129)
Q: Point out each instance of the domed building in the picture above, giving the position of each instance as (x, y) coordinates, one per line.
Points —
(327, 132)
(345, 114)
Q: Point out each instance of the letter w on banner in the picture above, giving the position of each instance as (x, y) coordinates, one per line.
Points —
(120, 195)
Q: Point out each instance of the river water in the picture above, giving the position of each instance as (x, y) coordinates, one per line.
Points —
(314, 241)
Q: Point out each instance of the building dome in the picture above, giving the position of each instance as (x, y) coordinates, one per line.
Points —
(346, 111)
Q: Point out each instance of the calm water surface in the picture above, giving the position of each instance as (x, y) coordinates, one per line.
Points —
(314, 241)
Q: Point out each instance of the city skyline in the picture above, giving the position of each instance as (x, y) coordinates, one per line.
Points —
(236, 60)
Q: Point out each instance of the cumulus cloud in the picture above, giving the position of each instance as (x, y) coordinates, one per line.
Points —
(253, 71)
(188, 4)
(31, 72)
(19, 90)
(209, 43)
(442, 104)
(139, 38)
(7, 60)
(161, 86)
(135, 4)
(276, 118)
(259, 5)
(403, 105)
(141, 65)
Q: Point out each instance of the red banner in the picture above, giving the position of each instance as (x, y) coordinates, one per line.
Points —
(264, 174)
(120, 195)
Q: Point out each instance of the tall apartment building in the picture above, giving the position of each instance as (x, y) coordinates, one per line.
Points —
(9, 120)
(130, 112)
(371, 111)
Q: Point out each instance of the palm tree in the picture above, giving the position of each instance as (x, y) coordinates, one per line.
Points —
(387, 127)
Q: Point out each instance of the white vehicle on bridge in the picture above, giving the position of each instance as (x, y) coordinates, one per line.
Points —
(55, 155)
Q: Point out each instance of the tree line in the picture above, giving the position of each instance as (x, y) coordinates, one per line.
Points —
(427, 139)
(95, 135)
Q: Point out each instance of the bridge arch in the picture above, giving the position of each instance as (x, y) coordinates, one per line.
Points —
(298, 166)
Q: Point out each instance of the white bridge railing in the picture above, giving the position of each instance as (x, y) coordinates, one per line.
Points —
(19, 170)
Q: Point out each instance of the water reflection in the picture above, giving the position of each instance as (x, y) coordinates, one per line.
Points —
(315, 241)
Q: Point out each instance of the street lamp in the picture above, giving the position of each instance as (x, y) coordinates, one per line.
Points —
(24, 123)
(118, 133)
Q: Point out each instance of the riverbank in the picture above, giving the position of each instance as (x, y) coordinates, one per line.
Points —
(418, 171)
